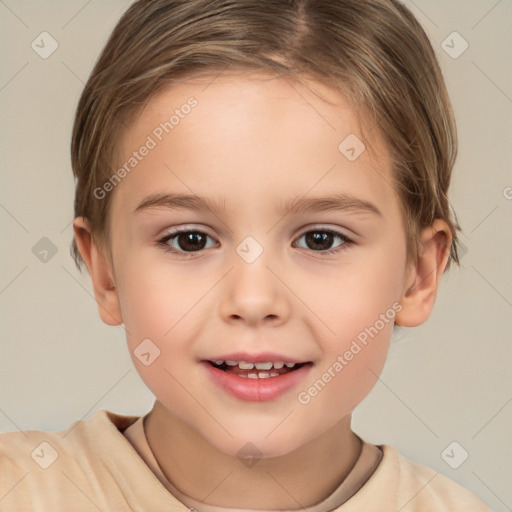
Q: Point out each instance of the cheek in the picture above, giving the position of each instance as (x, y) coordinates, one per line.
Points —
(152, 300)
(346, 377)
(365, 295)
(157, 308)
(351, 366)
(360, 313)
(362, 360)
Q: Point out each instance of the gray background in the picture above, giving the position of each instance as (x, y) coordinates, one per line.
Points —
(448, 380)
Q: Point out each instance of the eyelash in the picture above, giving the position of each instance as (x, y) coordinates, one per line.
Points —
(347, 242)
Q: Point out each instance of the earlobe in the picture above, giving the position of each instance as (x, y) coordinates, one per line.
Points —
(101, 273)
(420, 289)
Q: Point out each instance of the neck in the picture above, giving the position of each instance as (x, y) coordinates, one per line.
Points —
(296, 480)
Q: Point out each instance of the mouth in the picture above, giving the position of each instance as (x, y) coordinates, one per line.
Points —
(257, 370)
(262, 378)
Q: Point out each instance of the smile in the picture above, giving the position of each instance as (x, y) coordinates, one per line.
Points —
(256, 381)
(263, 370)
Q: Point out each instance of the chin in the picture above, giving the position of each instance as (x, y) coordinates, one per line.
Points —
(256, 448)
(261, 443)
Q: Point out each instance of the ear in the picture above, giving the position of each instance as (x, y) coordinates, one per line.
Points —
(422, 280)
(101, 273)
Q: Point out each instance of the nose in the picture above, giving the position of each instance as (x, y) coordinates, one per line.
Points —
(254, 294)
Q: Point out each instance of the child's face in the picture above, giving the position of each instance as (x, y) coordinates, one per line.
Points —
(252, 144)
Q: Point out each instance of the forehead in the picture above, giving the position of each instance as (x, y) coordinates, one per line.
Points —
(233, 95)
(246, 131)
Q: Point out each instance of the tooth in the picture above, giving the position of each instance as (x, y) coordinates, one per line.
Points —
(290, 365)
(243, 376)
(263, 366)
(274, 374)
(252, 375)
(245, 366)
(278, 365)
(263, 375)
(231, 363)
(218, 363)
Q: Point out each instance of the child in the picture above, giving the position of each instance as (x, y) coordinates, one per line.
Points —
(261, 196)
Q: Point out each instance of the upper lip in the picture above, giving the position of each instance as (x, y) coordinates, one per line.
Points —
(261, 357)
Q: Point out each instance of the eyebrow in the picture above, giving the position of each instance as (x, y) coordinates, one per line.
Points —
(336, 202)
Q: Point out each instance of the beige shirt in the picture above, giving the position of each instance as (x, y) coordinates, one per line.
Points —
(366, 464)
(100, 464)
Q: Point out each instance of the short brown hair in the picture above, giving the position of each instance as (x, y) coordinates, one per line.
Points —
(374, 51)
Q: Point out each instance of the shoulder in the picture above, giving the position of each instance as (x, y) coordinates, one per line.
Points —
(431, 488)
(36, 463)
(25, 448)
(401, 484)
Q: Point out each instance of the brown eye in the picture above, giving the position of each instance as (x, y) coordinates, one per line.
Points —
(321, 240)
(192, 241)
(183, 241)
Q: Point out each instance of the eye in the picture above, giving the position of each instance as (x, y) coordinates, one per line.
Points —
(188, 241)
(320, 240)
(185, 241)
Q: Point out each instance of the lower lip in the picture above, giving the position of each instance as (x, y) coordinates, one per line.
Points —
(256, 390)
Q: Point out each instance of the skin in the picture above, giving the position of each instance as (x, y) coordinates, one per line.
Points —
(252, 142)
